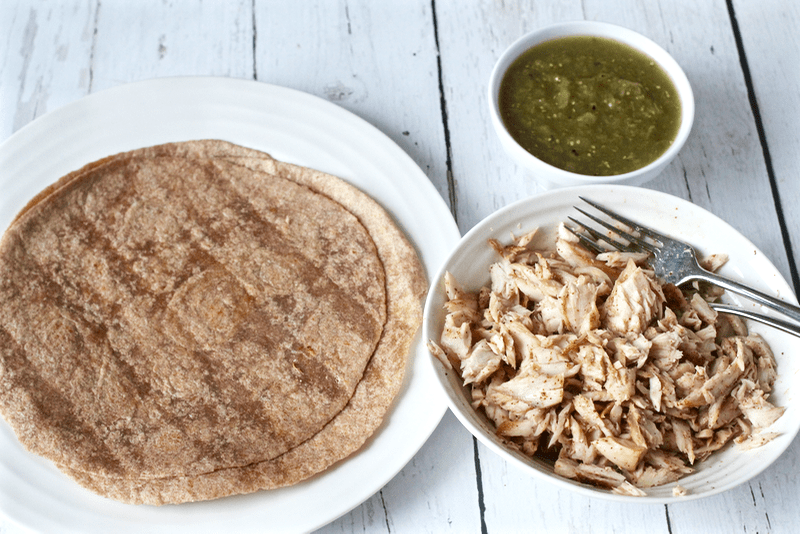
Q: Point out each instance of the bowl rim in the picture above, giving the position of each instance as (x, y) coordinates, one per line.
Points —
(473, 420)
(606, 30)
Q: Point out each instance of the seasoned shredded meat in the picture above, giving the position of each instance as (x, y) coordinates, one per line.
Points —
(587, 359)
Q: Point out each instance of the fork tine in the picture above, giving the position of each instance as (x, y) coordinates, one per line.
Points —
(585, 241)
(652, 234)
(641, 243)
(598, 236)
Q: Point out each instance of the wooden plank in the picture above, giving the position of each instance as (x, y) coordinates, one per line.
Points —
(375, 59)
(515, 500)
(45, 59)
(753, 507)
(148, 39)
(435, 493)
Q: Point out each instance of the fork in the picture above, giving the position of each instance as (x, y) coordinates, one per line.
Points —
(676, 262)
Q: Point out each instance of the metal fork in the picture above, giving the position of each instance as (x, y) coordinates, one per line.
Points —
(675, 262)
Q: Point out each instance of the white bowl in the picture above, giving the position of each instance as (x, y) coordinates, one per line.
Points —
(551, 177)
(469, 263)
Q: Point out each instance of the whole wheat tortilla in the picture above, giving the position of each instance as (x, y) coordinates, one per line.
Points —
(272, 259)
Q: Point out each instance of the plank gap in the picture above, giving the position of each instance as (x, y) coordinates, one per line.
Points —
(451, 187)
(479, 481)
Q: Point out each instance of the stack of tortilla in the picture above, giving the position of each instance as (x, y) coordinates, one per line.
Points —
(195, 320)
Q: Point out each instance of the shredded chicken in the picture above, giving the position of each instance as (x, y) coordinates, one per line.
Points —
(589, 360)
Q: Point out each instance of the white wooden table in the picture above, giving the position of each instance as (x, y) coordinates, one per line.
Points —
(417, 70)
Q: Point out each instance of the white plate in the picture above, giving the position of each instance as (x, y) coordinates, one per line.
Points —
(469, 263)
(293, 127)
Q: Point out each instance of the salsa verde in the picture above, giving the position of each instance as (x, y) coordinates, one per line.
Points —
(590, 105)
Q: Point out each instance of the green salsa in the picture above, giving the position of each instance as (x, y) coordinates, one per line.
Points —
(590, 105)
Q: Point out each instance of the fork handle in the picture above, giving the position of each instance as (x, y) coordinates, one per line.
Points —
(786, 326)
(772, 303)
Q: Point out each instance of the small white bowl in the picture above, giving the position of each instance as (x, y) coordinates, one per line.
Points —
(551, 177)
(469, 263)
